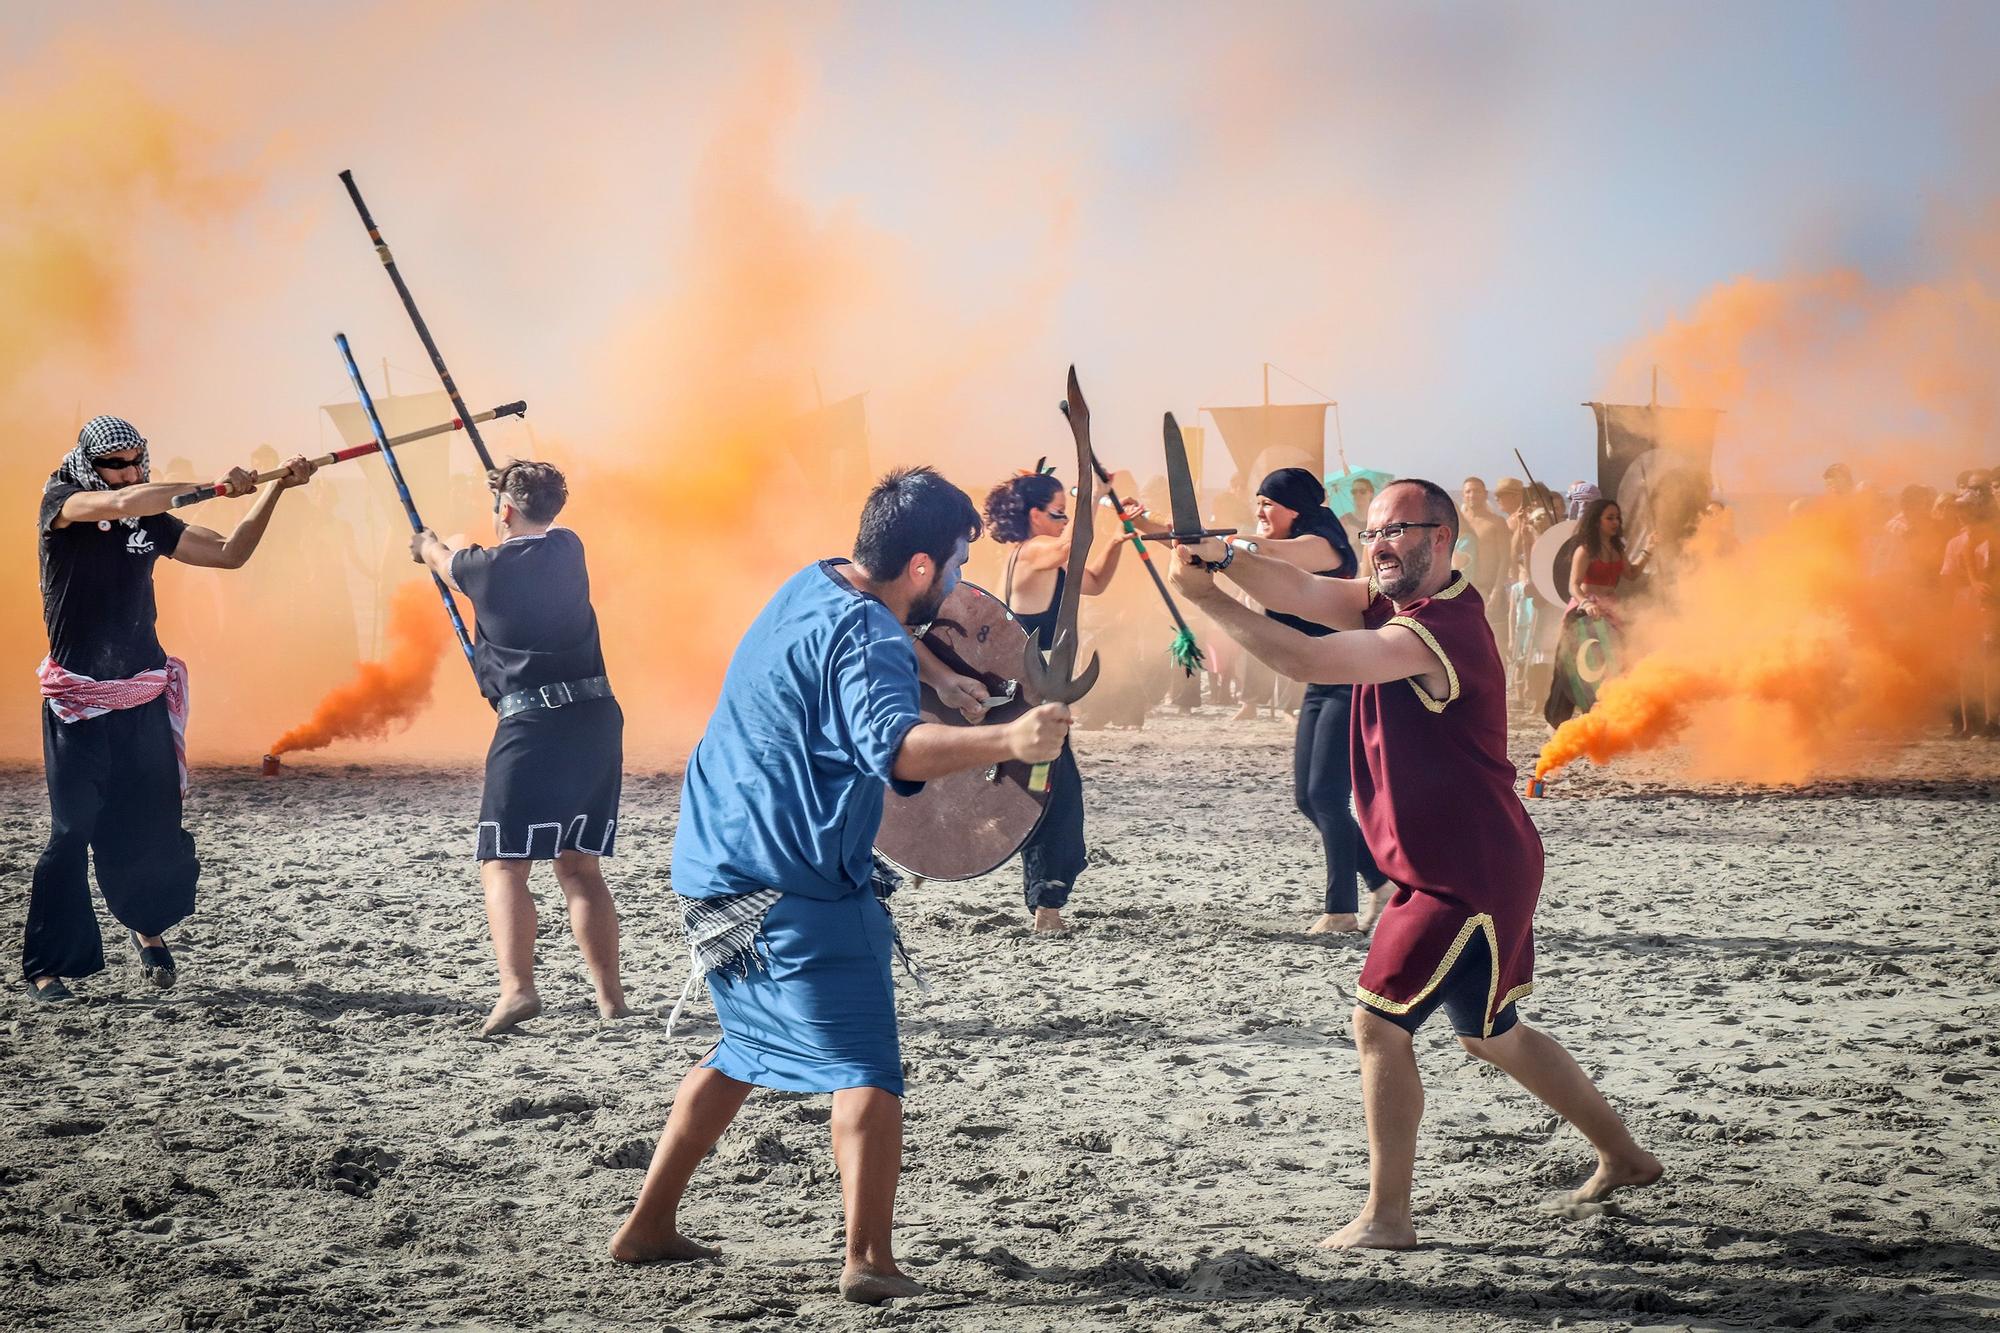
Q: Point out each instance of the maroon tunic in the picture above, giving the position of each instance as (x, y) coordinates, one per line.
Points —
(1435, 794)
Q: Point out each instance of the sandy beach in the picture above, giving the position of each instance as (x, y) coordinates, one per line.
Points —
(1794, 995)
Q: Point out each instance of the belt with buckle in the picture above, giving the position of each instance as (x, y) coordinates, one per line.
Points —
(553, 696)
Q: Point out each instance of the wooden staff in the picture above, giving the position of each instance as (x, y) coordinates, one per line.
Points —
(423, 330)
(211, 491)
(388, 450)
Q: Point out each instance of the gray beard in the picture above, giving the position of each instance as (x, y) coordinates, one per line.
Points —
(1416, 568)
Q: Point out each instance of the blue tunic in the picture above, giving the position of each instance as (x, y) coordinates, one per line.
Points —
(784, 791)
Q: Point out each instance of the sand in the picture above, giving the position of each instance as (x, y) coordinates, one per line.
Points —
(1795, 996)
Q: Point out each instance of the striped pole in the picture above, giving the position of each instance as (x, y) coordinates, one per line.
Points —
(388, 450)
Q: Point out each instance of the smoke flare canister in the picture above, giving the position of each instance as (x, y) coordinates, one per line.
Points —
(1536, 787)
(271, 767)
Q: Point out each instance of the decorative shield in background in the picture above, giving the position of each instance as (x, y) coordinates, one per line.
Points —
(1549, 562)
(1587, 657)
(966, 824)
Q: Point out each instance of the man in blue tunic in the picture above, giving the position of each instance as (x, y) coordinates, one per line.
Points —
(773, 860)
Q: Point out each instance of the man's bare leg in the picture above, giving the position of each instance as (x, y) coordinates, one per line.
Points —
(510, 915)
(703, 1107)
(1334, 923)
(868, 1149)
(1392, 1093)
(1539, 1063)
(1372, 903)
(593, 919)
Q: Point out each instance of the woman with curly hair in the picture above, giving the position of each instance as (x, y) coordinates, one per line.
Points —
(1030, 514)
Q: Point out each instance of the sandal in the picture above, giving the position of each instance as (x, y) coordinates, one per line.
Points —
(53, 993)
(156, 963)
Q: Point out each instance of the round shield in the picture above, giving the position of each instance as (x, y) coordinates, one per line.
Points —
(1548, 563)
(1587, 657)
(968, 823)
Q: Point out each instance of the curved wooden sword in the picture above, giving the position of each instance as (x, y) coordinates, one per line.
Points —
(1056, 679)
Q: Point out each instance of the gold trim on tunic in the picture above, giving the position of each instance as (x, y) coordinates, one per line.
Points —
(1450, 590)
(1450, 671)
(1482, 921)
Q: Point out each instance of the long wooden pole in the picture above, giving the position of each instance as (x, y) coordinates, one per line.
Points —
(211, 491)
(416, 318)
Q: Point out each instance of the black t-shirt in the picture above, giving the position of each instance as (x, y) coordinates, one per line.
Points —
(97, 589)
(532, 598)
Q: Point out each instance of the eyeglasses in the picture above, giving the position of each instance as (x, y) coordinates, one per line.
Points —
(113, 464)
(1391, 531)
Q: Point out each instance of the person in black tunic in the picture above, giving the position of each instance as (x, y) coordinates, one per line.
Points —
(1295, 525)
(1030, 512)
(115, 713)
(554, 768)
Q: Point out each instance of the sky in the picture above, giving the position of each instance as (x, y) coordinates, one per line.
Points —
(657, 222)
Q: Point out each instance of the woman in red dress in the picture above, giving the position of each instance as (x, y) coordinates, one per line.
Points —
(1587, 653)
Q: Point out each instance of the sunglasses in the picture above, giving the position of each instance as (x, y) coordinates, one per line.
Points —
(1391, 531)
(113, 464)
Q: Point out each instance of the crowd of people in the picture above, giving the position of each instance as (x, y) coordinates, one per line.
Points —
(1945, 541)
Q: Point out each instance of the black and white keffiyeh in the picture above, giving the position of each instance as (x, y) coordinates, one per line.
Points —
(101, 436)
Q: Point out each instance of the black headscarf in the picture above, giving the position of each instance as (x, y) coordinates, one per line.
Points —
(1300, 491)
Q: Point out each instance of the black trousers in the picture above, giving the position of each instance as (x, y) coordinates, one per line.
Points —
(1054, 855)
(1322, 780)
(114, 798)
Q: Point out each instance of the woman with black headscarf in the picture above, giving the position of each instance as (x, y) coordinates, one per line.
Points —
(1294, 525)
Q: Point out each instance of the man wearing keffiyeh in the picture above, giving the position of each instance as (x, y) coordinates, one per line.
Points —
(116, 715)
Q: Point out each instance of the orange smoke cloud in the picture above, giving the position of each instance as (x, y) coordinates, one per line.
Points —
(1822, 636)
(91, 168)
(1776, 658)
(385, 695)
(737, 489)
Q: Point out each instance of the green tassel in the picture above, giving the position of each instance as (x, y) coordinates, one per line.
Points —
(1186, 653)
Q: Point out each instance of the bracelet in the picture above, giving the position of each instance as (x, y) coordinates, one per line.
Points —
(1228, 558)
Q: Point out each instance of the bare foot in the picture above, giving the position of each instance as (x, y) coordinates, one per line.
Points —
(1372, 903)
(1367, 1233)
(613, 1007)
(872, 1286)
(1048, 921)
(674, 1248)
(1334, 923)
(1247, 713)
(511, 1010)
(1612, 1176)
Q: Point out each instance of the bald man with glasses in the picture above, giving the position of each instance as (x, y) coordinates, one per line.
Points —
(1434, 792)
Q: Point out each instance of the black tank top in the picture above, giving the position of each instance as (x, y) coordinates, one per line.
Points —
(1042, 624)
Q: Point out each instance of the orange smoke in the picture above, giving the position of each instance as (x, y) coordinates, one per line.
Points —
(1821, 638)
(1777, 658)
(383, 696)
